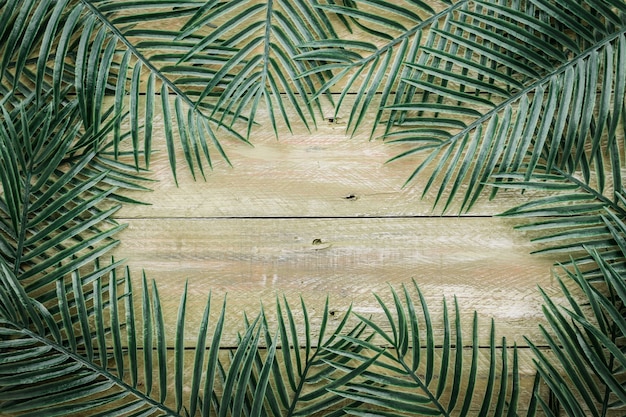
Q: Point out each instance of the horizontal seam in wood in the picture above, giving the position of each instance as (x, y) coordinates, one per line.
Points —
(302, 217)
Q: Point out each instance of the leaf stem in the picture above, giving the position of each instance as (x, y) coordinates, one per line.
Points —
(106, 374)
(408, 33)
(409, 370)
(496, 109)
(587, 188)
(146, 62)
(301, 383)
(23, 221)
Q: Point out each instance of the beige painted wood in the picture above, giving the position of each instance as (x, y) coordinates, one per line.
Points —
(311, 176)
(251, 261)
(318, 173)
(319, 214)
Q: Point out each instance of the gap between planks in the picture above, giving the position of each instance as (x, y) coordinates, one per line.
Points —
(483, 262)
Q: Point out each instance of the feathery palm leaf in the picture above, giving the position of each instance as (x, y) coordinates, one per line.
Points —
(587, 206)
(506, 88)
(250, 55)
(371, 67)
(97, 48)
(587, 339)
(52, 218)
(414, 378)
(573, 222)
(302, 373)
(89, 353)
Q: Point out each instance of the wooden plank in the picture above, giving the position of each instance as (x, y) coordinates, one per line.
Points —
(307, 174)
(482, 261)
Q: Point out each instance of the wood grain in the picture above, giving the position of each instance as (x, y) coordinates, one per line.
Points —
(317, 214)
(317, 174)
(480, 260)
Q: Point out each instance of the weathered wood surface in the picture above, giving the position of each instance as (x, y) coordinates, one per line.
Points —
(480, 260)
(321, 173)
(279, 222)
(318, 214)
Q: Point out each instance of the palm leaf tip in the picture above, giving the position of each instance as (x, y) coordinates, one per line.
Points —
(583, 334)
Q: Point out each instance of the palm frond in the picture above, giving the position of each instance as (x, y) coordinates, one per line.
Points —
(105, 365)
(38, 371)
(249, 55)
(573, 221)
(586, 338)
(374, 66)
(52, 218)
(96, 48)
(411, 371)
(504, 90)
(302, 374)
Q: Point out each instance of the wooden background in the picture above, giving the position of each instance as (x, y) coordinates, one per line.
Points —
(319, 214)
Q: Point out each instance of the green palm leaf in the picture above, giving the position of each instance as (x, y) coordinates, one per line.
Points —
(250, 58)
(407, 376)
(573, 222)
(504, 91)
(51, 220)
(38, 371)
(586, 337)
(302, 373)
(47, 365)
(92, 49)
(371, 70)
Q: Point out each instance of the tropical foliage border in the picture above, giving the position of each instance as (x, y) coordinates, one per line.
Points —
(490, 94)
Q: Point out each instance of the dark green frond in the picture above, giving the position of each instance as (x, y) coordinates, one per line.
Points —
(66, 358)
(302, 372)
(54, 188)
(512, 92)
(572, 221)
(417, 372)
(41, 372)
(370, 71)
(97, 50)
(586, 338)
(248, 58)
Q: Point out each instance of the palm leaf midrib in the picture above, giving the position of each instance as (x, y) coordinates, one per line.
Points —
(137, 53)
(21, 238)
(195, 106)
(528, 89)
(76, 358)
